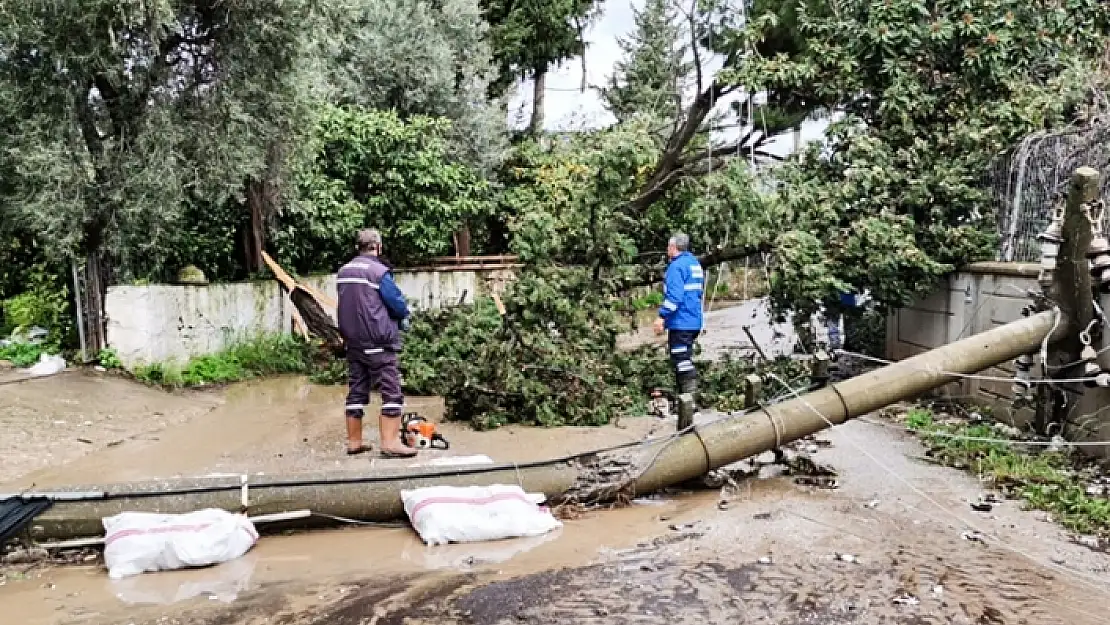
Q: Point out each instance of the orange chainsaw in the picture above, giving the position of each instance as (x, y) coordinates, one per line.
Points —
(419, 433)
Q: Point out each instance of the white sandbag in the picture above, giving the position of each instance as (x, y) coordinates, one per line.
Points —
(445, 514)
(138, 542)
(48, 365)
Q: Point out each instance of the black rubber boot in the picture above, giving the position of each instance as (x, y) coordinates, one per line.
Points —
(687, 402)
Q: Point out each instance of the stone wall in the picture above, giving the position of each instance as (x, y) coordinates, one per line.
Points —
(982, 297)
(161, 323)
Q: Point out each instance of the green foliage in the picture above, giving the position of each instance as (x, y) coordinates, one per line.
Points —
(552, 360)
(374, 169)
(569, 204)
(930, 93)
(919, 419)
(22, 354)
(648, 301)
(109, 359)
(865, 331)
(265, 355)
(1045, 480)
(722, 384)
(118, 112)
(548, 362)
(533, 35)
(422, 58)
(649, 80)
(44, 304)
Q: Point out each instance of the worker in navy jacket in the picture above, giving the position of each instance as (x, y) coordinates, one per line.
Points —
(681, 316)
(371, 314)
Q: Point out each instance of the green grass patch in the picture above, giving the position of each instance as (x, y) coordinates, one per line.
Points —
(1051, 481)
(22, 354)
(648, 301)
(262, 356)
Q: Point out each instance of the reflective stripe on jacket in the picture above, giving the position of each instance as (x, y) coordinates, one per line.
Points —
(370, 305)
(684, 286)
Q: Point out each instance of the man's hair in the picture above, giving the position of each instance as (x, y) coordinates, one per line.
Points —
(368, 239)
(680, 241)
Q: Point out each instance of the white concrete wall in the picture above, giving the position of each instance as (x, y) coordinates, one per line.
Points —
(162, 323)
(980, 299)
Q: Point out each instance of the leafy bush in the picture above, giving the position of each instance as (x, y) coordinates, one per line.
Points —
(109, 359)
(373, 168)
(266, 355)
(45, 304)
(21, 354)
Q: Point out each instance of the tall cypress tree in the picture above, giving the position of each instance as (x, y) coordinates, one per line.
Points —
(651, 77)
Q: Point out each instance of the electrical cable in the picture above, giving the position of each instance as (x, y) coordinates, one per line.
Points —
(382, 524)
(987, 439)
(968, 376)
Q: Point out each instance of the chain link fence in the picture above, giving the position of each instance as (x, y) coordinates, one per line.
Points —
(1027, 182)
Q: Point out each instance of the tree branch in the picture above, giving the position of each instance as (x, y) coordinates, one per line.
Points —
(646, 275)
(694, 42)
(668, 170)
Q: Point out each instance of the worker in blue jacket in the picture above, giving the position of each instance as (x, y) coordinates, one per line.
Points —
(681, 316)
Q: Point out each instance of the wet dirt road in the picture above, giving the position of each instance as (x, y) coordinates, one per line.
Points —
(762, 552)
(276, 425)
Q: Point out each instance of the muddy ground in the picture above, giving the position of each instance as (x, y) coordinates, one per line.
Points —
(765, 551)
(896, 542)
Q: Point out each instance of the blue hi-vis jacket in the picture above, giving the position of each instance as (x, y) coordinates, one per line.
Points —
(684, 285)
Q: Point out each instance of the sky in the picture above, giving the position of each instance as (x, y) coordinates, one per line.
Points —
(569, 109)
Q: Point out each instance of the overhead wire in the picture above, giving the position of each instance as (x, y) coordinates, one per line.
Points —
(966, 376)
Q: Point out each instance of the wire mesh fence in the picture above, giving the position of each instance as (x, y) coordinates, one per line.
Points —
(1027, 182)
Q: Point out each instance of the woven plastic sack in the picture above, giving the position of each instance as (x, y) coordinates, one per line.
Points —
(463, 514)
(140, 542)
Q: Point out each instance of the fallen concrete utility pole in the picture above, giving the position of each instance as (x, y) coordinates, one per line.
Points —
(727, 441)
(599, 476)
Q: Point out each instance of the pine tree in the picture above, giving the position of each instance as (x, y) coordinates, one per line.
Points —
(529, 37)
(651, 77)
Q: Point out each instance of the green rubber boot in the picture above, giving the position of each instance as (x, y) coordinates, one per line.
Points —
(687, 403)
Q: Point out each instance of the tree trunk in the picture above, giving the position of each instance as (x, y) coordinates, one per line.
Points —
(254, 232)
(538, 94)
(263, 196)
(462, 241)
(93, 296)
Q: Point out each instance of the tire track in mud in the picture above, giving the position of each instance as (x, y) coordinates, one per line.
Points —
(644, 590)
(689, 578)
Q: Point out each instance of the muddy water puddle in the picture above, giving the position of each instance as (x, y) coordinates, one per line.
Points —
(764, 552)
(284, 425)
(300, 567)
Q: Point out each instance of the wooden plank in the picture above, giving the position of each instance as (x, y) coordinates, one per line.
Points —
(477, 259)
(471, 267)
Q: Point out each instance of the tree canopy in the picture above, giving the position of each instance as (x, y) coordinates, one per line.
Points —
(652, 77)
(119, 112)
(152, 135)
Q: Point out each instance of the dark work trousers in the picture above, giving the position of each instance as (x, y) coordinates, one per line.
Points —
(373, 369)
(681, 345)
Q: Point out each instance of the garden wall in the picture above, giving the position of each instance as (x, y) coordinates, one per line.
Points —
(160, 323)
(979, 298)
